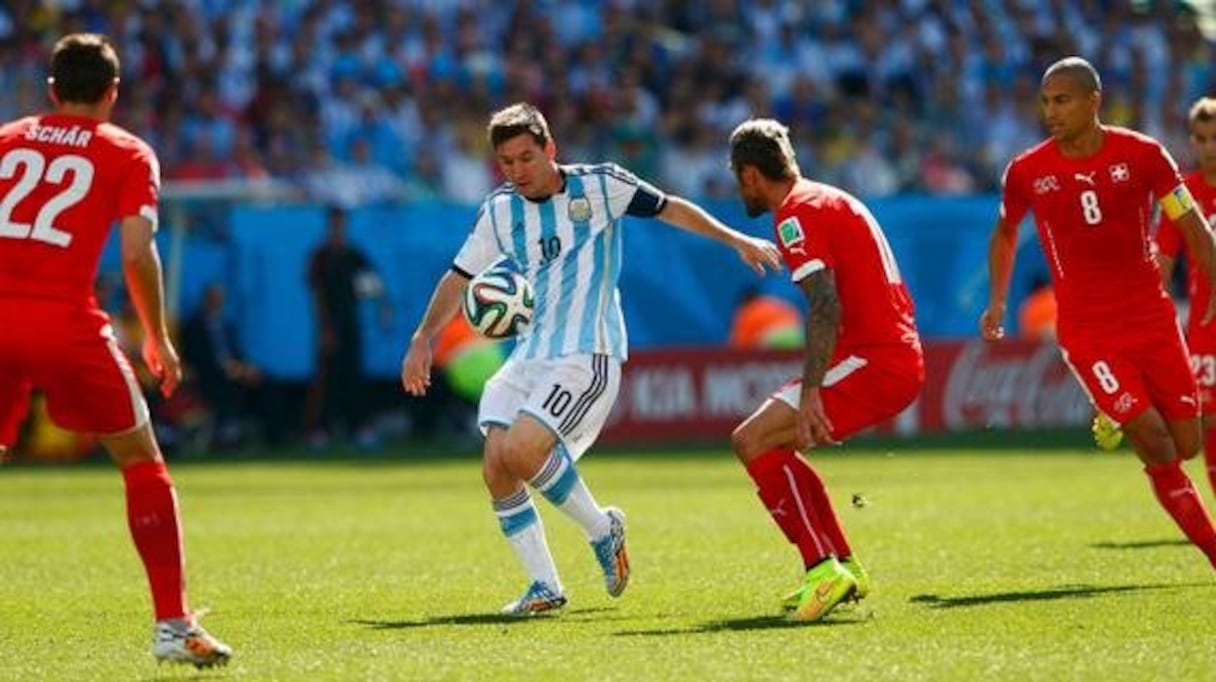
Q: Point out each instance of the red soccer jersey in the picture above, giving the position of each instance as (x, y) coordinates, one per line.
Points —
(64, 181)
(1093, 216)
(1170, 242)
(820, 226)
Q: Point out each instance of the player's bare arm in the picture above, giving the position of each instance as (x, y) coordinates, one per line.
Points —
(1166, 264)
(757, 253)
(822, 328)
(1002, 249)
(416, 365)
(1201, 244)
(142, 272)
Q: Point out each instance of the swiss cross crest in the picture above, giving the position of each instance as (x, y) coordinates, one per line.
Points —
(789, 231)
(1120, 173)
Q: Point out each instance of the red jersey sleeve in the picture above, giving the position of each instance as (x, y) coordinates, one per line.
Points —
(140, 191)
(1162, 172)
(1015, 200)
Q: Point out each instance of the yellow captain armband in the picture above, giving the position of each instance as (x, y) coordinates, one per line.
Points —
(1177, 203)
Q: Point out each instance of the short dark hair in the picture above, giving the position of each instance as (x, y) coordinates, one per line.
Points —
(83, 67)
(765, 144)
(1079, 70)
(517, 119)
(1202, 111)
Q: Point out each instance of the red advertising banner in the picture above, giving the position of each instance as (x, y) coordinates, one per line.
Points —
(700, 395)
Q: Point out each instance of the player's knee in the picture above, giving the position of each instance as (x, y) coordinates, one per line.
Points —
(744, 442)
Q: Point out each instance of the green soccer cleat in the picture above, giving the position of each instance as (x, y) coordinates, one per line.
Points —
(827, 584)
(860, 576)
(1108, 434)
(850, 564)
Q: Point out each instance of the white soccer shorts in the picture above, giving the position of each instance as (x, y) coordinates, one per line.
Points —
(572, 395)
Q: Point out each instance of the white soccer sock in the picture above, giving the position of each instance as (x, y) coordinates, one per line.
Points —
(559, 482)
(523, 529)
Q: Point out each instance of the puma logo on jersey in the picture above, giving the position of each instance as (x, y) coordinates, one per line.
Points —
(1087, 178)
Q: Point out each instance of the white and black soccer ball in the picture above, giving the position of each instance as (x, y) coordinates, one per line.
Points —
(498, 302)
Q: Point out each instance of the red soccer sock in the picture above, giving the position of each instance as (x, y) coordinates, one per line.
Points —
(1178, 497)
(1209, 455)
(825, 514)
(782, 490)
(155, 528)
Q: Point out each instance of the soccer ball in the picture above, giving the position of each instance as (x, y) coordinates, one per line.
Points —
(498, 302)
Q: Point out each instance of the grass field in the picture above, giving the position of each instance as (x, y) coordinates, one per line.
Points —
(1056, 565)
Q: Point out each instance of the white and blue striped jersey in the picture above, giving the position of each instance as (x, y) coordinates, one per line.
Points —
(568, 246)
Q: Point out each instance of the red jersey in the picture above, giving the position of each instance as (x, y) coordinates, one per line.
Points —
(64, 181)
(1093, 217)
(1170, 242)
(820, 226)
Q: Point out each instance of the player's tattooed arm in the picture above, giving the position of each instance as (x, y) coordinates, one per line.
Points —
(822, 323)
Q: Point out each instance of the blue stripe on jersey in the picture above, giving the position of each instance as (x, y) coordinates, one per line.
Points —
(616, 325)
(546, 275)
(571, 271)
(519, 237)
(593, 314)
(491, 209)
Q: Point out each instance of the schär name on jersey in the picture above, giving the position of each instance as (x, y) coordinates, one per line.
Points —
(72, 137)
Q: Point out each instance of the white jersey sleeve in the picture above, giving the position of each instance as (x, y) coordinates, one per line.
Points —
(481, 248)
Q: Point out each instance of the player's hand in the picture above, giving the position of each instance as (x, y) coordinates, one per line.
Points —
(161, 359)
(416, 367)
(991, 327)
(759, 254)
(812, 426)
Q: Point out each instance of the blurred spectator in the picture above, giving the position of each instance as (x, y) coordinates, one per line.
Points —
(665, 78)
(766, 321)
(217, 370)
(339, 275)
(1037, 312)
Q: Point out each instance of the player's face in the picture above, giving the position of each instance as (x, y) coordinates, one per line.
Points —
(1203, 138)
(1068, 109)
(529, 166)
(749, 191)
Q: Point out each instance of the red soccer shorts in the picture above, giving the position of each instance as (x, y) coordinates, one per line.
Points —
(70, 353)
(865, 387)
(1125, 374)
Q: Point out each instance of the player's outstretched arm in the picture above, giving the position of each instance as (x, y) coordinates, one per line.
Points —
(142, 272)
(757, 253)
(416, 365)
(812, 426)
(1002, 249)
(1201, 245)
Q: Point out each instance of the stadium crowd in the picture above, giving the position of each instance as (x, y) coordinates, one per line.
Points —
(384, 100)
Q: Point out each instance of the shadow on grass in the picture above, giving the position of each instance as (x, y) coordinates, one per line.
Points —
(1142, 544)
(934, 601)
(478, 619)
(768, 622)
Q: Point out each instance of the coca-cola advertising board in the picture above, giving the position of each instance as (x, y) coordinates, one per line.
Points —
(701, 394)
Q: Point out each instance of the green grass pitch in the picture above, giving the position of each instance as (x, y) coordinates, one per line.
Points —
(1017, 565)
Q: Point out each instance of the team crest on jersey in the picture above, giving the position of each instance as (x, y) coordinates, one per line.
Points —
(579, 210)
(1120, 173)
(789, 231)
(1045, 184)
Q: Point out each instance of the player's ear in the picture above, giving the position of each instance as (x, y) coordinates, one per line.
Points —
(112, 92)
(551, 149)
(50, 91)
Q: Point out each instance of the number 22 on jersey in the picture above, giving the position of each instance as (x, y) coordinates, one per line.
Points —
(30, 167)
